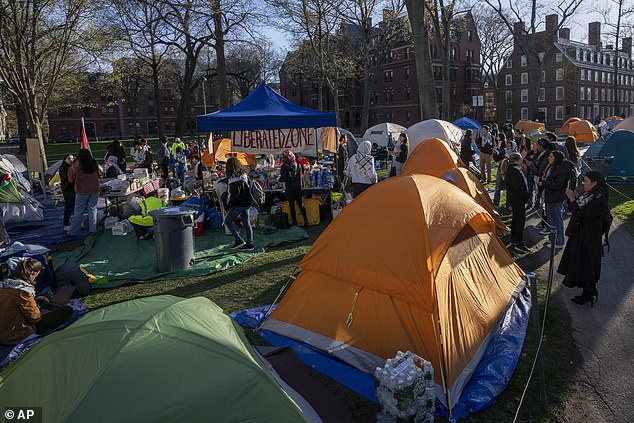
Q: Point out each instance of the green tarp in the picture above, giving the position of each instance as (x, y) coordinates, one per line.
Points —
(124, 259)
(156, 359)
(9, 192)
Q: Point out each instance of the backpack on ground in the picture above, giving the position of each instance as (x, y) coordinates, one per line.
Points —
(257, 193)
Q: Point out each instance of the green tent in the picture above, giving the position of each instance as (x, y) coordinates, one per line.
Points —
(620, 145)
(156, 359)
(8, 190)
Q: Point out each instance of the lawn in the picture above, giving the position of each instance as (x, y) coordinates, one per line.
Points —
(622, 205)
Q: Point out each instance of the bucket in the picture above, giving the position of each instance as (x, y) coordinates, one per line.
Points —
(163, 194)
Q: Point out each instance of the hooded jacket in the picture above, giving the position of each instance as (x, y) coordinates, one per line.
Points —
(18, 311)
(556, 180)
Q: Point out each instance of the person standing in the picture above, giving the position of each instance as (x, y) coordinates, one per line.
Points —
(466, 148)
(342, 160)
(84, 174)
(178, 143)
(516, 197)
(238, 201)
(486, 150)
(116, 149)
(180, 166)
(538, 167)
(68, 189)
(500, 154)
(581, 260)
(361, 169)
(401, 152)
(291, 175)
(555, 181)
(163, 157)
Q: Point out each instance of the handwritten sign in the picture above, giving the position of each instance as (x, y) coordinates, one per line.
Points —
(273, 141)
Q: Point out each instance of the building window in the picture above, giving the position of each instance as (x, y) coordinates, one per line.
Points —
(582, 93)
(581, 112)
(509, 114)
(509, 79)
(559, 57)
(604, 76)
(541, 56)
(524, 113)
(596, 76)
(543, 76)
(542, 95)
(582, 74)
(524, 96)
(523, 60)
(469, 35)
(589, 95)
(602, 94)
(524, 77)
(508, 97)
(408, 116)
(406, 73)
(596, 94)
(559, 75)
(559, 93)
(407, 53)
(543, 113)
(509, 63)
(559, 113)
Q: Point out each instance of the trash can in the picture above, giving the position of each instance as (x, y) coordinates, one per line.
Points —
(174, 238)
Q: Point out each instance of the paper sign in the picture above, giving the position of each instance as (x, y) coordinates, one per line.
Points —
(274, 141)
(33, 156)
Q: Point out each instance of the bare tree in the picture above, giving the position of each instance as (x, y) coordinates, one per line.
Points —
(36, 43)
(248, 66)
(512, 11)
(420, 27)
(624, 11)
(496, 42)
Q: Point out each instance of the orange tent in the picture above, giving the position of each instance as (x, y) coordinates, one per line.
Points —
(527, 126)
(221, 150)
(411, 258)
(434, 157)
(566, 126)
(583, 131)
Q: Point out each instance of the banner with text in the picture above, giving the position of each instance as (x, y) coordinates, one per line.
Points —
(273, 141)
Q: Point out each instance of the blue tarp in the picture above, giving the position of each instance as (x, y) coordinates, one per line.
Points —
(465, 123)
(264, 109)
(490, 378)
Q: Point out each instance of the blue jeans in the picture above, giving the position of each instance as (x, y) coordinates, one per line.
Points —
(243, 212)
(554, 218)
(84, 202)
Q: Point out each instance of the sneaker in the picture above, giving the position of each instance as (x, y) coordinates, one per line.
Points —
(247, 247)
(545, 231)
(521, 247)
(557, 246)
(237, 245)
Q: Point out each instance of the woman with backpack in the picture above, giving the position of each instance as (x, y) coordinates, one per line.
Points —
(581, 260)
(291, 175)
(238, 201)
(556, 179)
(84, 174)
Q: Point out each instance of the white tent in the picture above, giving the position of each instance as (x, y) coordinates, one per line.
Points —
(434, 128)
(380, 133)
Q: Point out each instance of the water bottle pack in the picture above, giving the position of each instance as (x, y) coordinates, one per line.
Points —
(405, 390)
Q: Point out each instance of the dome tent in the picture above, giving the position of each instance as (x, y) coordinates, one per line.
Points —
(154, 359)
(434, 128)
(434, 157)
(379, 134)
(465, 123)
(620, 145)
(362, 305)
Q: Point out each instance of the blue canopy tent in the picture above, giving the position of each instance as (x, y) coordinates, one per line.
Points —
(465, 123)
(264, 109)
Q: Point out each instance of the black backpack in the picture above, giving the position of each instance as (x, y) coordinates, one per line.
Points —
(606, 224)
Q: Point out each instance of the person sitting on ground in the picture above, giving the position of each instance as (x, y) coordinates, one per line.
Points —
(360, 169)
(143, 223)
(112, 169)
(291, 175)
(581, 260)
(180, 165)
(516, 197)
(238, 201)
(20, 315)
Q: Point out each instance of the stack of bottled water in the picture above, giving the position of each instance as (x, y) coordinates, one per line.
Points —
(405, 390)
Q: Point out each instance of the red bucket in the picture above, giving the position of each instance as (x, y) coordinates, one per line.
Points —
(199, 228)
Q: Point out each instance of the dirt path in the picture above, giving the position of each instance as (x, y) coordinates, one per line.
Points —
(604, 335)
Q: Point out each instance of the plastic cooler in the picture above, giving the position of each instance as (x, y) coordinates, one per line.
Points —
(174, 238)
(312, 211)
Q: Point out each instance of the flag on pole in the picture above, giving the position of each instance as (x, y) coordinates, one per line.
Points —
(84, 138)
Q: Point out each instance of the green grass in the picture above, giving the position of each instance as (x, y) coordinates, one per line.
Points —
(623, 207)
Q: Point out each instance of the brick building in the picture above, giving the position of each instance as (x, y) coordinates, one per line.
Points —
(394, 92)
(108, 114)
(577, 80)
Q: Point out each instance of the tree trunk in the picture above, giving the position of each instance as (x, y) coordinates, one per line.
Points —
(221, 64)
(365, 112)
(183, 105)
(157, 93)
(23, 126)
(446, 81)
(424, 74)
(616, 60)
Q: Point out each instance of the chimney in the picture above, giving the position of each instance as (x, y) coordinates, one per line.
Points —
(626, 47)
(552, 22)
(564, 33)
(594, 34)
(519, 29)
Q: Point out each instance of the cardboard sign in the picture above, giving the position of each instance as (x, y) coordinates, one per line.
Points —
(274, 141)
(33, 155)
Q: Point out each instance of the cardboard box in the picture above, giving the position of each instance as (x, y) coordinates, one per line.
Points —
(312, 211)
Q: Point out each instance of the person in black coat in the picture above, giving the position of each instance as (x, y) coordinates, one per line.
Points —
(237, 203)
(556, 179)
(342, 160)
(291, 175)
(116, 149)
(68, 189)
(466, 150)
(517, 197)
(538, 166)
(581, 260)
